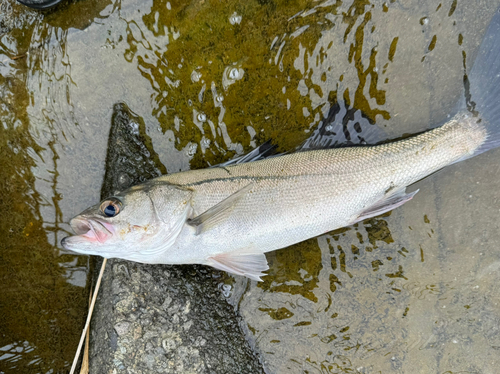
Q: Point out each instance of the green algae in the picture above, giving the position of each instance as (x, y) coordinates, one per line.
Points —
(295, 271)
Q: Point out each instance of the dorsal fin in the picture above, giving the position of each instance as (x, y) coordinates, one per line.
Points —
(261, 152)
(343, 126)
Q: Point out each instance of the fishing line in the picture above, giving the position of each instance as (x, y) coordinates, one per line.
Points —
(89, 316)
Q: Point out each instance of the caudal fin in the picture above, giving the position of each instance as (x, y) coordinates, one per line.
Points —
(483, 85)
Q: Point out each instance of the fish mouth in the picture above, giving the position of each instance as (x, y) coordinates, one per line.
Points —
(87, 231)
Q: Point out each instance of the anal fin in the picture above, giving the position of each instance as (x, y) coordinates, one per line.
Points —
(390, 201)
(250, 264)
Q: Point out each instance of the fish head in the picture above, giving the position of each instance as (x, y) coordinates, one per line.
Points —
(139, 224)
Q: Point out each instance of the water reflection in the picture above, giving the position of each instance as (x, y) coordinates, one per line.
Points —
(43, 296)
(199, 84)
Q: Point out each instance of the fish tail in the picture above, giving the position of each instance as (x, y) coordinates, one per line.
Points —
(482, 87)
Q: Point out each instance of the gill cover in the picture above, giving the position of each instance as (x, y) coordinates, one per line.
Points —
(170, 209)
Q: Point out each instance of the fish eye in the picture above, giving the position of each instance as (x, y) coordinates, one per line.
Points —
(111, 207)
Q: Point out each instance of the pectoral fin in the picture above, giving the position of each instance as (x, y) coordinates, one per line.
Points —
(218, 212)
(250, 264)
(390, 201)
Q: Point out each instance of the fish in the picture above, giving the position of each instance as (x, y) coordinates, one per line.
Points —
(229, 216)
(182, 293)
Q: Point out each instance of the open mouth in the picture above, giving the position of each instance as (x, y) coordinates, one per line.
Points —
(91, 230)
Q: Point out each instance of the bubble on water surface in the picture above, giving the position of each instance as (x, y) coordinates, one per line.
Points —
(235, 19)
(231, 75)
(191, 149)
(202, 117)
(195, 76)
(124, 180)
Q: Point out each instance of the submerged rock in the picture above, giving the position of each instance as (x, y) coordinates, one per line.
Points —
(159, 318)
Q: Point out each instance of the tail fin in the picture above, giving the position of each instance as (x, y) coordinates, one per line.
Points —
(483, 85)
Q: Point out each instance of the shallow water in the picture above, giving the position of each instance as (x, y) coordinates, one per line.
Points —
(410, 292)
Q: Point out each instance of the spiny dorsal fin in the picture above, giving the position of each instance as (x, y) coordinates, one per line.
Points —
(218, 212)
(249, 263)
(343, 126)
(390, 201)
(263, 151)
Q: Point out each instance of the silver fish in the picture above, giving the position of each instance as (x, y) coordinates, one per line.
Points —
(229, 216)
